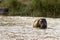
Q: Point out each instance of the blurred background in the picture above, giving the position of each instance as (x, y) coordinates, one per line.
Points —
(34, 8)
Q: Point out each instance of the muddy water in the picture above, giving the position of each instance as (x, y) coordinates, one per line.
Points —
(20, 28)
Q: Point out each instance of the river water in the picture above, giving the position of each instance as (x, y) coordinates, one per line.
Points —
(21, 28)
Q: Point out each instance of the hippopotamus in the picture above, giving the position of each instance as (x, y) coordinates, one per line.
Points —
(40, 23)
